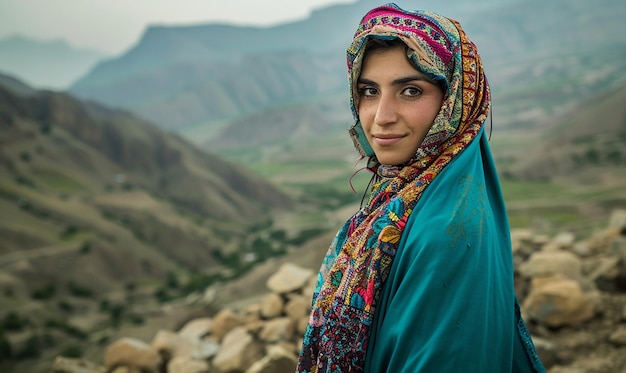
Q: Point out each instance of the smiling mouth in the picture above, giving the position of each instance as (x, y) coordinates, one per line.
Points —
(387, 140)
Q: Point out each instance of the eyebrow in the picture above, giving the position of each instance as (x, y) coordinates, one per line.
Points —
(398, 81)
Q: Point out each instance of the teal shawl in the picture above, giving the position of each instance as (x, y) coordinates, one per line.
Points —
(448, 304)
(427, 260)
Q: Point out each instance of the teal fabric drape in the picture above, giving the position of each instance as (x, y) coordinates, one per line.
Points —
(448, 304)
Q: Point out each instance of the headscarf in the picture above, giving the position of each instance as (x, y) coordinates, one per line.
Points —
(359, 259)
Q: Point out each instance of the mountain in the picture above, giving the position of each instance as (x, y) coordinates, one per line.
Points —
(46, 64)
(194, 79)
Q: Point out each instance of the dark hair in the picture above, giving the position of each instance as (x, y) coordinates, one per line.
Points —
(376, 44)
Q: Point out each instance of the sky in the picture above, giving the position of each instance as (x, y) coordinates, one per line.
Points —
(113, 26)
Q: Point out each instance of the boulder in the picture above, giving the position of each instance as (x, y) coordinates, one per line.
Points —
(271, 306)
(289, 277)
(237, 352)
(205, 349)
(277, 360)
(276, 330)
(67, 365)
(197, 328)
(548, 263)
(298, 306)
(617, 221)
(132, 353)
(170, 344)
(187, 365)
(224, 322)
(558, 301)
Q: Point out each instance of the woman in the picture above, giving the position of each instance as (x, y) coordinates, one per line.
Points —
(421, 278)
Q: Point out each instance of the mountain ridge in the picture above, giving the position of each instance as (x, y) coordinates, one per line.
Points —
(52, 64)
(197, 88)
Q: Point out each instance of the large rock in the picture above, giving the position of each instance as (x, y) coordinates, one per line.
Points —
(548, 263)
(277, 360)
(67, 365)
(289, 277)
(187, 365)
(132, 353)
(170, 344)
(224, 322)
(618, 221)
(276, 330)
(205, 349)
(298, 306)
(237, 352)
(271, 306)
(197, 328)
(558, 301)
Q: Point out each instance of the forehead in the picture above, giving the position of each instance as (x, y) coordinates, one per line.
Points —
(388, 62)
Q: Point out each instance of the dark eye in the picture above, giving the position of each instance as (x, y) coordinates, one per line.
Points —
(367, 92)
(412, 91)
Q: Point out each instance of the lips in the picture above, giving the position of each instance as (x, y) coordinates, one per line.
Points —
(387, 139)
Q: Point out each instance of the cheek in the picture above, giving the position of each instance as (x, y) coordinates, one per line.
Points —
(366, 112)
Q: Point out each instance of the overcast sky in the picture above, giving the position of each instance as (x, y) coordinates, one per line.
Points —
(112, 26)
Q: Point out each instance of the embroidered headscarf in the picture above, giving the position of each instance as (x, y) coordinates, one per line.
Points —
(359, 259)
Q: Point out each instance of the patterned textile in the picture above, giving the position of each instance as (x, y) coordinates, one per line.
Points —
(359, 259)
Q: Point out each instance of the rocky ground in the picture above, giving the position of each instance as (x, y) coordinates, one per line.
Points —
(573, 296)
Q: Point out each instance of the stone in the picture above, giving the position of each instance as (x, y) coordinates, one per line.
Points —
(605, 272)
(617, 220)
(132, 353)
(254, 327)
(205, 349)
(68, 365)
(271, 306)
(237, 352)
(540, 240)
(302, 324)
(582, 249)
(289, 277)
(253, 310)
(170, 344)
(522, 235)
(558, 301)
(277, 360)
(542, 264)
(126, 370)
(187, 365)
(564, 240)
(276, 330)
(224, 322)
(297, 307)
(618, 337)
(197, 328)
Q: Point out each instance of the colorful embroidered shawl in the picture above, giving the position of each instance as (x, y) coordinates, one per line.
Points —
(359, 259)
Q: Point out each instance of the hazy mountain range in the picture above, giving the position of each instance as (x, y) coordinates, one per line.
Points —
(193, 78)
(46, 64)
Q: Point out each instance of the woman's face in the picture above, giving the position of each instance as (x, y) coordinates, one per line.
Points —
(397, 104)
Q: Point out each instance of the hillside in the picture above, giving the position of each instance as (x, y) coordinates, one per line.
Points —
(101, 212)
(586, 144)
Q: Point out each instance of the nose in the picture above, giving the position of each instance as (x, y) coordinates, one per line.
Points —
(385, 111)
